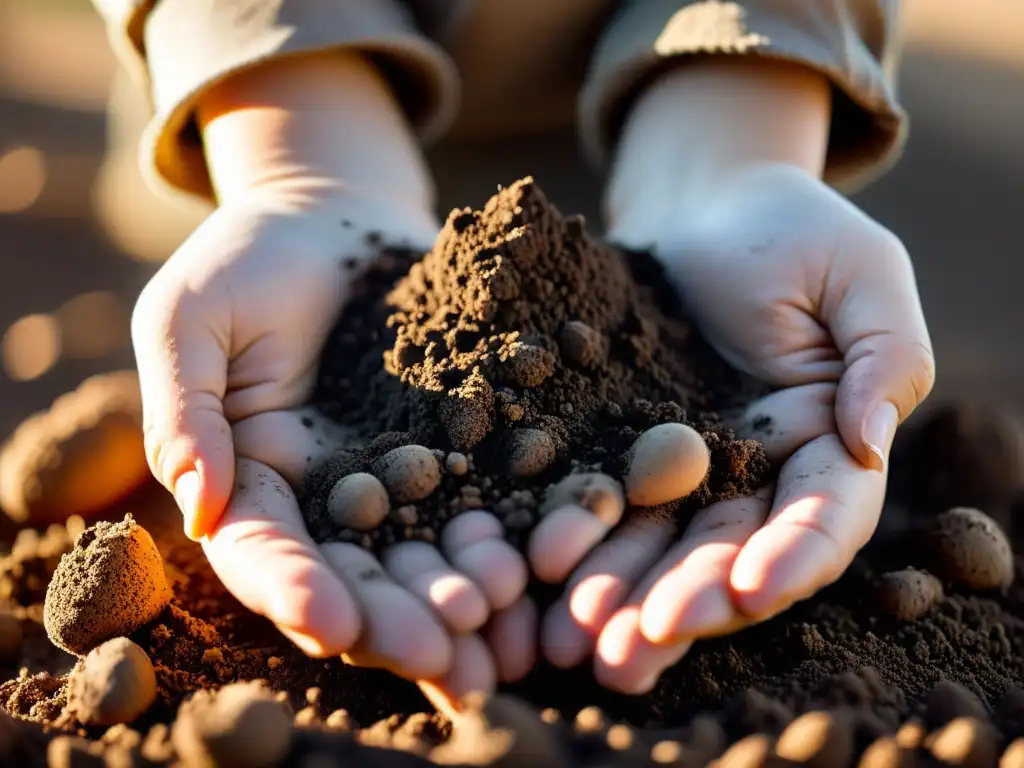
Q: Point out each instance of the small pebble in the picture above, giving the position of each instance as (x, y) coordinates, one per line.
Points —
(240, 724)
(456, 463)
(666, 463)
(340, 720)
(580, 344)
(968, 547)
(817, 740)
(531, 451)
(964, 742)
(909, 594)
(594, 491)
(410, 473)
(114, 683)
(405, 515)
(358, 501)
(590, 720)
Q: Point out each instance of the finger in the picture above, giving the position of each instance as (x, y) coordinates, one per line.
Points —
(292, 442)
(561, 540)
(787, 419)
(687, 594)
(512, 637)
(474, 544)
(472, 671)
(265, 557)
(420, 568)
(625, 660)
(182, 371)
(873, 312)
(826, 508)
(600, 586)
(400, 633)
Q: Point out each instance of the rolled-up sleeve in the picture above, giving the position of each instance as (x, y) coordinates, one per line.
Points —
(852, 42)
(181, 48)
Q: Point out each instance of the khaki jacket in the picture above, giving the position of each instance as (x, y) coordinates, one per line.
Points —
(474, 69)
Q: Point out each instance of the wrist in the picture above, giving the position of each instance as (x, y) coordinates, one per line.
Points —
(323, 126)
(705, 125)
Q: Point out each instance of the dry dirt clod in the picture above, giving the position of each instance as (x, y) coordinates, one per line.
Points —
(239, 725)
(968, 547)
(530, 452)
(502, 732)
(965, 742)
(358, 501)
(528, 365)
(666, 463)
(909, 594)
(817, 740)
(456, 463)
(594, 491)
(109, 585)
(409, 473)
(580, 344)
(115, 683)
(79, 456)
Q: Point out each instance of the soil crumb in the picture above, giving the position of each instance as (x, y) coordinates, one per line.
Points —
(517, 351)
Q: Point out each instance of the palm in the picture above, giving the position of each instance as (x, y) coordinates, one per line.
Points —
(249, 325)
(768, 272)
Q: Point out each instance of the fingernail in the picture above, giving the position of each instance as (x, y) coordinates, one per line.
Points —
(186, 493)
(878, 432)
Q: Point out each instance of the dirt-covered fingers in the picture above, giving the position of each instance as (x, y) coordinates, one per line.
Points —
(789, 418)
(688, 593)
(400, 633)
(689, 583)
(600, 586)
(420, 568)
(826, 507)
(263, 554)
(474, 544)
(293, 442)
(577, 514)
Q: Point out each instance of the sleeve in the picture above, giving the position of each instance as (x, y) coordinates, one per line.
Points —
(178, 49)
(853, 42)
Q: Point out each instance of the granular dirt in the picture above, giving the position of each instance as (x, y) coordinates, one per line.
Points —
(526, 350)
(899, 663)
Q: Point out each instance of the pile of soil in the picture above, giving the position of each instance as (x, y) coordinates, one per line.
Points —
(914, 657)
(519, 349)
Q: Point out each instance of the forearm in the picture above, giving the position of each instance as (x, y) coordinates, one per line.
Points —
(704, 121)
(323, 123)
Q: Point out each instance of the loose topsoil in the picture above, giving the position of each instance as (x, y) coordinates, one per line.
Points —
(520, 349)
(914, 657)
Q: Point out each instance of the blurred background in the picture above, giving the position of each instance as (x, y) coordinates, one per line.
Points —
(80, 234)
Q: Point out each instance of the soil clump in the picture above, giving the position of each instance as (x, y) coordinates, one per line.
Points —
(517, 351)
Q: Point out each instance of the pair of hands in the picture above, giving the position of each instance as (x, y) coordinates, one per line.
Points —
(790, 283)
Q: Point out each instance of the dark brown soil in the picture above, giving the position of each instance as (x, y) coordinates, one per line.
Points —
(527, 346)
(881, 669)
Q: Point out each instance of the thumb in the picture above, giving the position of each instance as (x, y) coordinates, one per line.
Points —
(873, 312)
(183, 373)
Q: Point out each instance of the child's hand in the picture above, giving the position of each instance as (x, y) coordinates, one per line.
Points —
(793, 284)
(228, 336)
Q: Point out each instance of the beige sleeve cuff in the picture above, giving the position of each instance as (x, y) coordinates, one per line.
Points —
(853, 42)
(188, 49)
